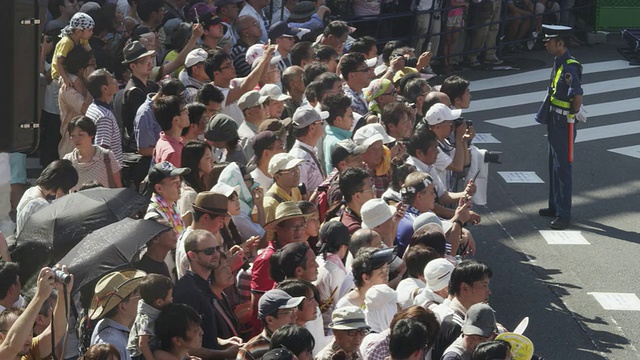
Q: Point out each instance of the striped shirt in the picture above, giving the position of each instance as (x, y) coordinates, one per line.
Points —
(108, 132)
(238, 55)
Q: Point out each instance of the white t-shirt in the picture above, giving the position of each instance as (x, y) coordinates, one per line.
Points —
(232, 110)
(407, 290)
(262, 179)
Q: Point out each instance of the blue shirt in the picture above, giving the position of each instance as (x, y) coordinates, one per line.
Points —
(569, 83)
(111, 332)
(405, 229)
(146, 126)
(333, 136)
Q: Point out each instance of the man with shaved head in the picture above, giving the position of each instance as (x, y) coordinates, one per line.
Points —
(249, 33)
(294, 86)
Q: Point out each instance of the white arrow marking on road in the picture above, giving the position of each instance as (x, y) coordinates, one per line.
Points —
(633, 151)
(608, 108)
(543, 74)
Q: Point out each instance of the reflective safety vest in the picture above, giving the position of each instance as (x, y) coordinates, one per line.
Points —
(566, 105)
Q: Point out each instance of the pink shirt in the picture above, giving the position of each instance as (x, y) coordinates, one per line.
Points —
(168, 149)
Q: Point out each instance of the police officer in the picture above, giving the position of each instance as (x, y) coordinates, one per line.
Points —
(558, 112)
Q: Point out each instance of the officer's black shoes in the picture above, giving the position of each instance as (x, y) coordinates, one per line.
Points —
(547, 212)
(492, 157)
(560, 223)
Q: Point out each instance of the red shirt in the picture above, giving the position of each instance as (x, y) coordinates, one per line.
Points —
(168, 149)
(351, 220)
(261, 281)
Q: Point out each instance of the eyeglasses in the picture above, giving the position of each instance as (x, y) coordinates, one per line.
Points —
(372, 189)
(208, 251)
(286, 312)
(319, 122)
(361, 332)
(362, 70)
(393, 93)
(300, 227)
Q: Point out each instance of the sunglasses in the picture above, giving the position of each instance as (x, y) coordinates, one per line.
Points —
(208, 251)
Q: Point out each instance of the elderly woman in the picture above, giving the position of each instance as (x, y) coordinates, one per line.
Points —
(92, 162)
(379, 93)
(75, 100)
(369, 268)
(226, 321)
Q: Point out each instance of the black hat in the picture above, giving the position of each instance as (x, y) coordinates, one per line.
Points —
(382, 256)
(333, 234)
(290, 256)
(263, 141)
(165, 170)
(556, 31)
(221, 128)
(209, 18)
(134, 51)
(302, 10)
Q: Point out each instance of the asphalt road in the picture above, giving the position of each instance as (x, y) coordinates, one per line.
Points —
(553, 284)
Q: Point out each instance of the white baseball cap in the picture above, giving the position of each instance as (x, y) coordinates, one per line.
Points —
(370, 133)
(194, 57)
(282, 161)
(441, 112)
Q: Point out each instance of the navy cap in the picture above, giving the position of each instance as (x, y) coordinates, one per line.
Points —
(274, 300)
(279, 29)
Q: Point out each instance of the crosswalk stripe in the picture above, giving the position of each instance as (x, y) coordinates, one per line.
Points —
(608, 131)
(542, 74)
(608, 108)
(537, 96)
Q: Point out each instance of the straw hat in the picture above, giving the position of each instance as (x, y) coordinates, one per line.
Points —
(112, 289)
(285, 211)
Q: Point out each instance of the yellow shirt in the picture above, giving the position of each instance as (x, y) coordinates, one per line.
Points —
(34, 351)
(62, 49)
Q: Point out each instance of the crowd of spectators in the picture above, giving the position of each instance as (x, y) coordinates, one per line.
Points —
(316, 192)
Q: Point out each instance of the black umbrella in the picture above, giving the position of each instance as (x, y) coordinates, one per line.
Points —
(50, 233)
(108, 249)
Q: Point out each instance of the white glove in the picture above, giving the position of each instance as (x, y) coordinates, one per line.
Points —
(581, 116)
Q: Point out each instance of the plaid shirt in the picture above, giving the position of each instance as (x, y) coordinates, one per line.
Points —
(255, 348)
(380, 183)
(378, 349)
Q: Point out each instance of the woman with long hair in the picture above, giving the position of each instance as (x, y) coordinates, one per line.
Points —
(92, 162)
(197, 156)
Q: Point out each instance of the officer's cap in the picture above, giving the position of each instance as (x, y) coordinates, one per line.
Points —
(556, 31)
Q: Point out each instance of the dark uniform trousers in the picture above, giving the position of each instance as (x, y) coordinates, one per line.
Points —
(560, 189)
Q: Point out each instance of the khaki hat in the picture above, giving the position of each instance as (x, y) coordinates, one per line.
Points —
(251, 99)
(211, 203)
(282, 161)
(274, 92)
(348, 318)
(285, 211)
(112, 289)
